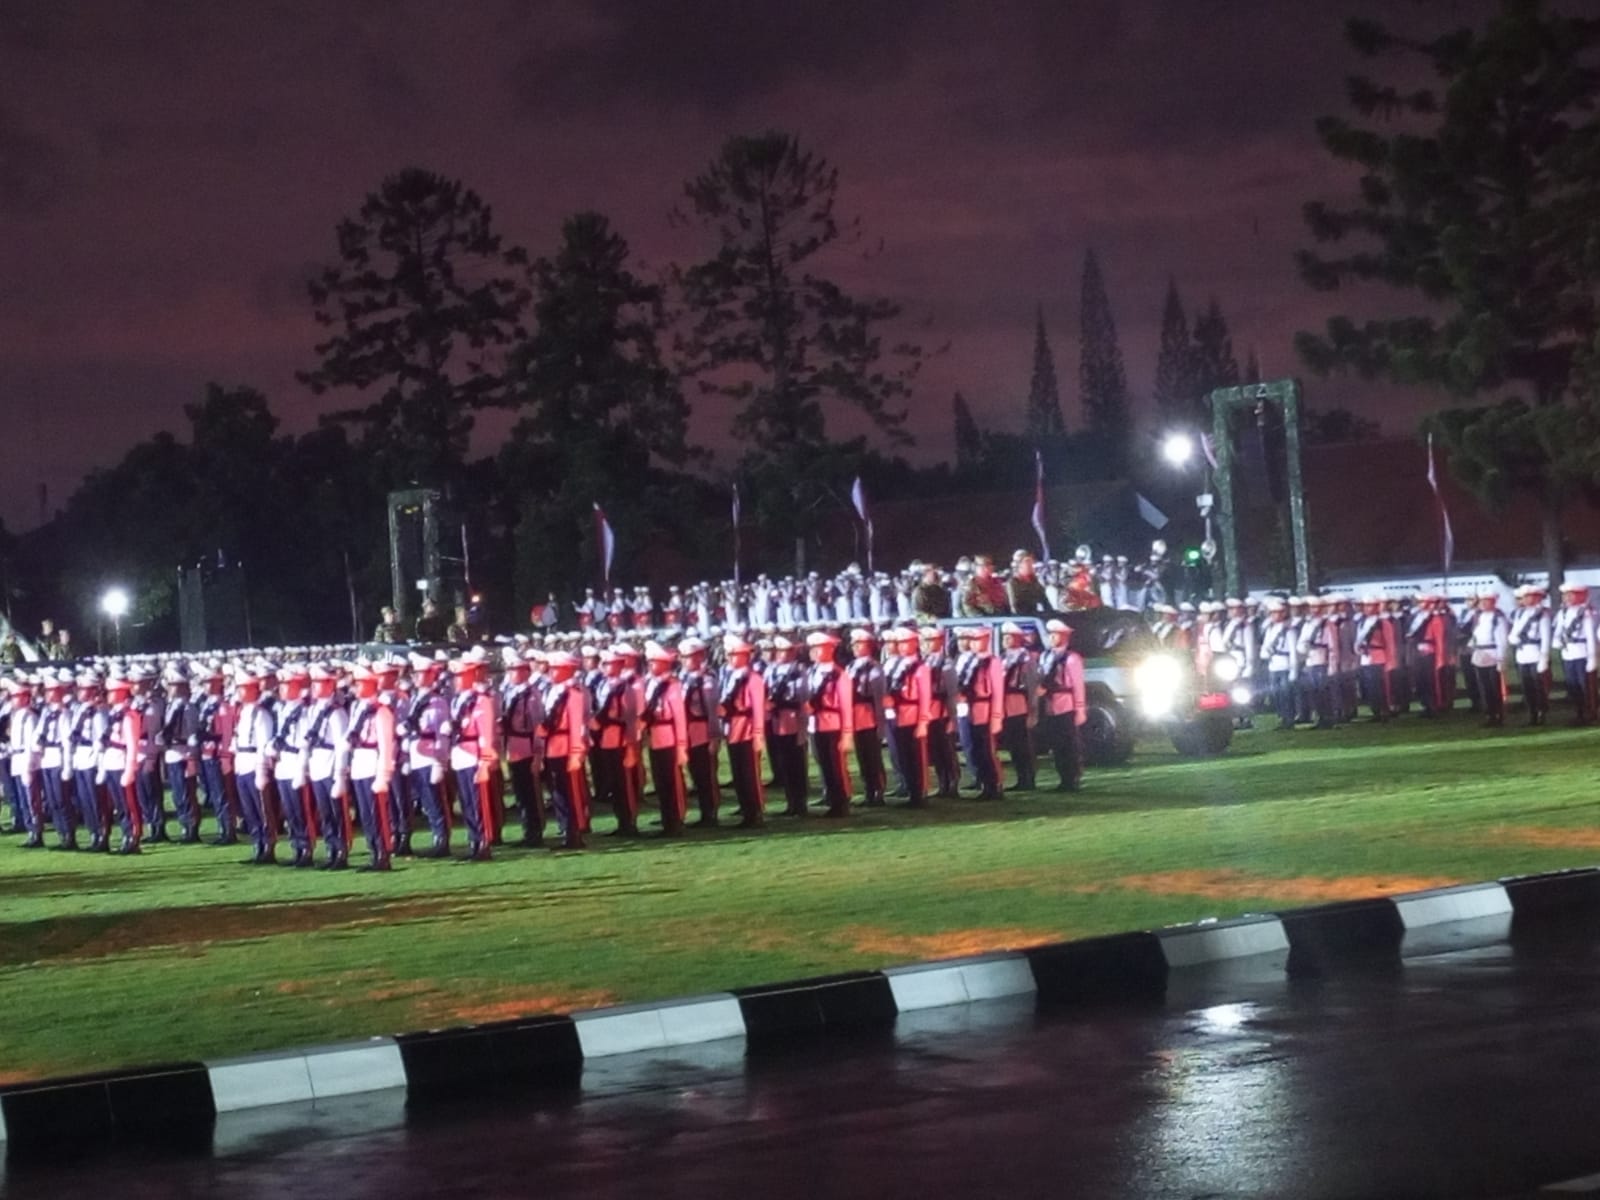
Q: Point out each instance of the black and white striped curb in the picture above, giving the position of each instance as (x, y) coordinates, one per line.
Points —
(1145, 966)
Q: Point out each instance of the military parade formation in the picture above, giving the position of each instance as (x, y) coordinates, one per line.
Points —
(885, 699)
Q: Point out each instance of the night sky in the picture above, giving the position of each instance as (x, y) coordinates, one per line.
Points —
(170, 173)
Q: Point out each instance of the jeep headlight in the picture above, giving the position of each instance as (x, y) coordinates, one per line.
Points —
(1158, 679)
(1225, 667)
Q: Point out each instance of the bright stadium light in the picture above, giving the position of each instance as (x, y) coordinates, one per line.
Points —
(1178, 448)
(115, 603)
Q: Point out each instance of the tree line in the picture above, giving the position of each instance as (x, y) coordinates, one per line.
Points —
(1478, 195)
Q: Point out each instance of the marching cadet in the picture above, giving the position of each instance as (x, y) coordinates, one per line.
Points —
(908, 686)
(1019, 711)
(425, 748)
(217, 718)
(368, 760)
(521, 713)
(474, 753)
(1277, 652)
(253, 734)
(54, 763)
(828, 696)
(1580, 650)
(27, 798)
(700, 701)
(1375, 645)
(565, 746)
(1531, 630)
(614, 735)
(327, 731)
(866, 715)
(152, 716)
(1489, 639)
(85, 733)
(981, 680)
(289, 776)
(664, 724)
(943, 696)
(180, 744)
(1066, 705)
(742, 711)
(787, 699)
(118, 765)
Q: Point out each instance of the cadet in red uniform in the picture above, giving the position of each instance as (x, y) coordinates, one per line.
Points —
(1019, 712)
(119, 763)
(743, 709)
(832, 710)
(665, 731)
(786, 683)
(521, 713)
(943, 695)
(1065, 704)
(981, 680)
(615, 737)
(474, 753)
(565, 746)
(866, 714)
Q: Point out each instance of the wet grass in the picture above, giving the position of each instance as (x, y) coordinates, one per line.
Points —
(184, 953)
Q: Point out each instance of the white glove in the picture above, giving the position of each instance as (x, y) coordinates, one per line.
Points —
(263, 781)
(436, 774)
(66, 774)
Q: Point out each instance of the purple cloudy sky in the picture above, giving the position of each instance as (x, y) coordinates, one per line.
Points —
(170, 172)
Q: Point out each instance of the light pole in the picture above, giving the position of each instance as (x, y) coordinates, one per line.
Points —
(114, 604)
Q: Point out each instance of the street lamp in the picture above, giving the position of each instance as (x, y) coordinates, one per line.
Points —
(114, 604)
(1178, 448)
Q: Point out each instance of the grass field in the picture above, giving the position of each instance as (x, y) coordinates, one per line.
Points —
(183, 953)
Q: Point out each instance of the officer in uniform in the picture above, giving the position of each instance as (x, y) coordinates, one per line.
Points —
(152, 714)
(943, 696)
(118, 767)
(1579, 648)
(85, 733)
(253, 735)
(1530, 641)
(866, 717)
(327, 732)
(217, 716)
(1066, 705)
(981, 680)
(1488, 642)
(369, 762)
(664, 729)
(787, 702)
(832, 709)
(51, 754)
(474, 753)
(1277, 652)
(522, 712)
(1375, 644)
(742, 711)
(615, 738)
(700, 699)
(1019, 709)
(425, 745)
(908, 686)
(290, 779)
(565, 747)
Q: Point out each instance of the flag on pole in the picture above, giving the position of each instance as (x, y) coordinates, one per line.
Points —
(606, 541)
(1149, 513)
(1038, 505)
(858, 497)
(1447, 537)
(736, 533)
(1209, 449)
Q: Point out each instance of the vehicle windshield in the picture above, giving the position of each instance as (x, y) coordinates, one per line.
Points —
(1100, 632)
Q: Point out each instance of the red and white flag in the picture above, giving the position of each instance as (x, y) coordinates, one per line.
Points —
(606, 540)
(1447, 537)
(858, 497)
(1038, 505)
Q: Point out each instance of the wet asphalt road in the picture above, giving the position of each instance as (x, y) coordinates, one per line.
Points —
(1469, 1074)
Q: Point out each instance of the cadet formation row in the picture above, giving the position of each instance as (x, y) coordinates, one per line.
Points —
(1319, 658)
(306, 750)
